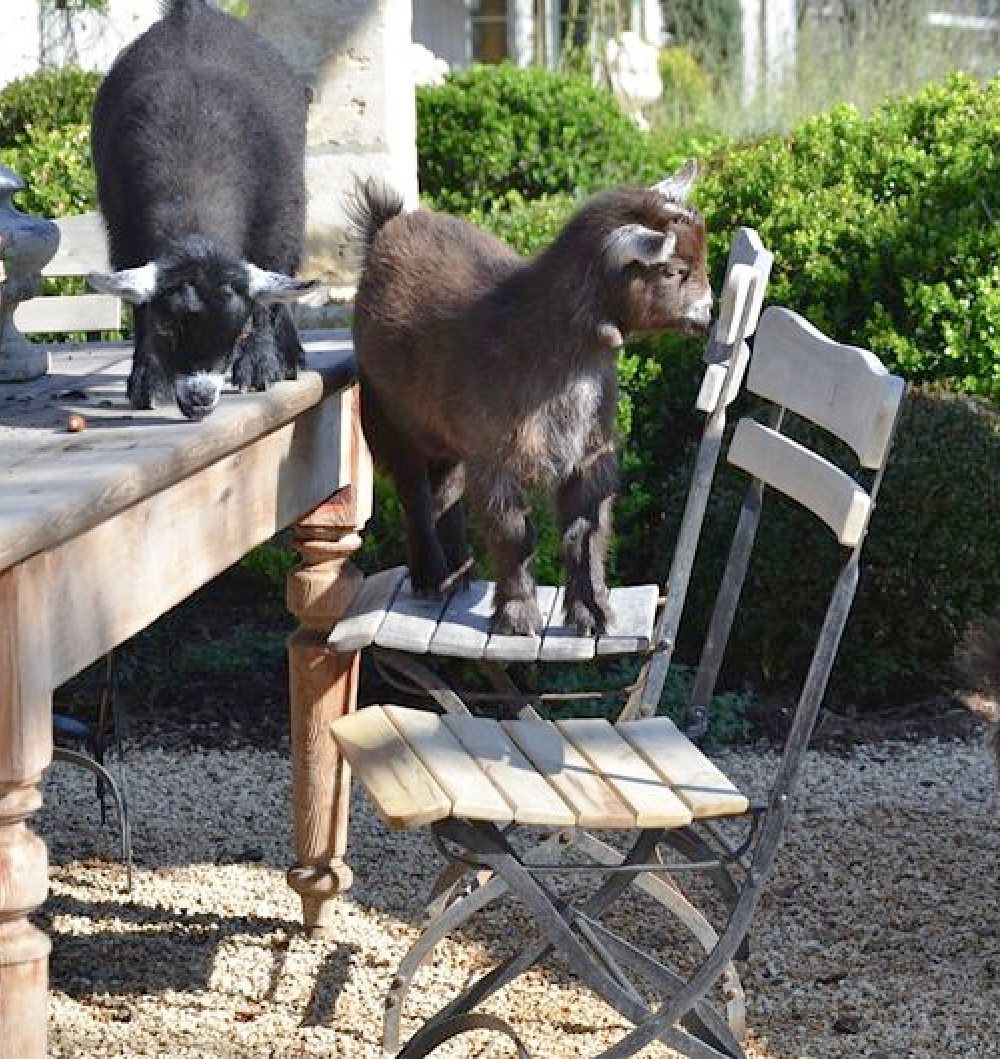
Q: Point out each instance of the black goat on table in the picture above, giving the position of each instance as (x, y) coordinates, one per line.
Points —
(198, 143)
(485, 373)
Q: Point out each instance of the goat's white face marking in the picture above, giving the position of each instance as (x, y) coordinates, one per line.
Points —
(134, 285)
(636, 242)
(199, 393)
(700, 312)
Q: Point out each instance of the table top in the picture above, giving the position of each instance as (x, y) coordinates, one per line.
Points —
(54, 483)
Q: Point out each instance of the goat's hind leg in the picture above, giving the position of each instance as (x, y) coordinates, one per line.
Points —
(396, 454)
(447, 482)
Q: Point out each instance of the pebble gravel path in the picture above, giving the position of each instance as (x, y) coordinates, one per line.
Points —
(879, 938)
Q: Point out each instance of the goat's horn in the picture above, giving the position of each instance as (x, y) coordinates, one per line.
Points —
(267, 286)
(635, 242)
(676, 188)
(135, 285)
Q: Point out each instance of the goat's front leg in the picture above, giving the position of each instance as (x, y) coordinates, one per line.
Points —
(584, 503)
(510, 537)
(258, 361)
(148, 385)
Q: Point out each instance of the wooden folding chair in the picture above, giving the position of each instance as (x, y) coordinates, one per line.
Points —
(480, 782)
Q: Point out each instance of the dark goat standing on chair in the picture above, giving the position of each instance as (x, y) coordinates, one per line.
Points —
(486, 373)
(198, 142)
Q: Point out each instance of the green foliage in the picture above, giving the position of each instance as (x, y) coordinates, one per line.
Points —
(710, 28)
(492, 130)
(884, 228)
(55, 165)
(46, 100)
(272, 562)
(45, 139)
(687, 88)
(932, 561)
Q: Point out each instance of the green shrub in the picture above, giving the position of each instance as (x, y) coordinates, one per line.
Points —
(492, 130)
(932, 561)
(687, 88)
(55, 166)
(711, 28)
(47, 100)
(884, 229)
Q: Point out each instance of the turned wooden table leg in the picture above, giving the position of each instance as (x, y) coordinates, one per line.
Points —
(24, 949)
(322, 687)
(25, 752)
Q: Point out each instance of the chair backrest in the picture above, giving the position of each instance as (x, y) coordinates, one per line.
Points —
(748, 269)
(846, 392)
(82, 249)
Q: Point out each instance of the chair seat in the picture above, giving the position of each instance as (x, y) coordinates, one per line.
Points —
(386, 613)
(421, 767)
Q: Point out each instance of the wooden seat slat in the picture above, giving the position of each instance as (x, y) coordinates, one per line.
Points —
(411, 621)
(640, 786)
(464, 628)
(504, 648)
(577, 782)
(561, 642)
(456, 771)
(364, 617)
(633, 613)
(532, 799)
(404, 792)
(697, 781)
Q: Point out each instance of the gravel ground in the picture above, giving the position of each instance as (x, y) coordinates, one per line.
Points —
(880, 936)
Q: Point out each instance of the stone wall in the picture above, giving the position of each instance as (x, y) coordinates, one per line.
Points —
(355, 56)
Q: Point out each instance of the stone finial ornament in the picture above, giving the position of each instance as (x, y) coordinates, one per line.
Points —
(27, 244)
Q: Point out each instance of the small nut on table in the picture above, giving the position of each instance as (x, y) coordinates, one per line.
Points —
(75, 423)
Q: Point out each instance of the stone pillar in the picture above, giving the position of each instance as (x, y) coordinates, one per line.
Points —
(355, 55)
(750, 19)
(780, 39)
(521, 32)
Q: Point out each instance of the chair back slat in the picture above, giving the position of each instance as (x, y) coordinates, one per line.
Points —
(82, 248)
(805, 476)
(841, 388)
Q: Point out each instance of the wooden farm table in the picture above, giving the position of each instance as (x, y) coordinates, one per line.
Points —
(104, 530)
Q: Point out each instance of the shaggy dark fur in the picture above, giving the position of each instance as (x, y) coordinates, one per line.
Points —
(198, 143)
(486, 374)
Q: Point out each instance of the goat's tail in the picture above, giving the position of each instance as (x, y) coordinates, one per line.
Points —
(370, 205)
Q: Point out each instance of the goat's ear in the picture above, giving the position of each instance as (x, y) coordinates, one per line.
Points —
(135, 285)
(637, 243)
(677, 187)
(267, 287)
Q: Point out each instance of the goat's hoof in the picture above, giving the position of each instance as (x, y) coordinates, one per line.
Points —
(589, 619)
(518, 617)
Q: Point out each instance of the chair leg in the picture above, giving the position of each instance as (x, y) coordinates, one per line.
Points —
(459, 1024)
(674, 901)
(445, 917)
(85, 761)
(708, 1037)
(406, 674)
